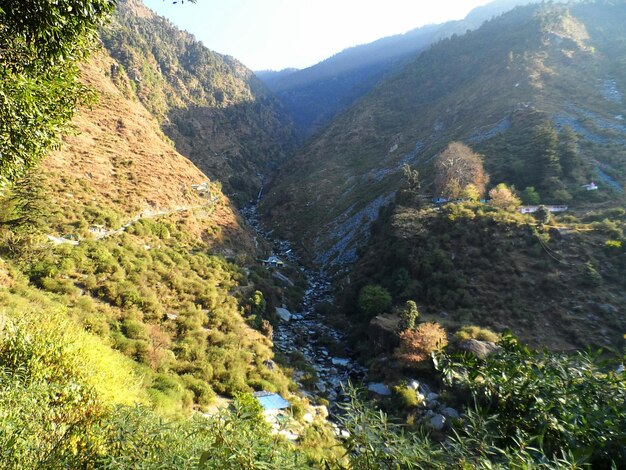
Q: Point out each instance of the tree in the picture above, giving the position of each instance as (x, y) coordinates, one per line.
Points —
(408, 193)
(41, 42)
(543, 215)
(374, 300)
(503, 198)
(530, 196)
(408, 316)
(568, 152)
(456, 168)
(546, 157)
(417, 345)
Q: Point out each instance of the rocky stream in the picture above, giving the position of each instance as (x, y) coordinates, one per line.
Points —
(307, 331)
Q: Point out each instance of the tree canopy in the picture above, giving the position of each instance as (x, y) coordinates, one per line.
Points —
(41, 43)
(458, 167)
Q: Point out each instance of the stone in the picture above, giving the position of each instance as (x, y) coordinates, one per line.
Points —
(321, 411)
(437, 422)
(478, 348)
(320, 386)
(283, 314)
(308, 418)
(414, 384)
(340, 362)
(450, 413)
(432, 404)
(379, 389)
(432, 396)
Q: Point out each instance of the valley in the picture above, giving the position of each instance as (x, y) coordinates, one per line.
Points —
(410, 255)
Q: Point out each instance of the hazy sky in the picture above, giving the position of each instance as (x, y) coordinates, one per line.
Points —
(275, 34)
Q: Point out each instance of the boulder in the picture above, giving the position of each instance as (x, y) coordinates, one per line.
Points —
(283, 314)
(320, 410)
(337, 361)
(478, 348)
(383, 333)
(379, 389)
(437, 422)
(450, 413)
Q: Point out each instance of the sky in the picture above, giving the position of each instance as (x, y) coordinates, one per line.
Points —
(276, 34)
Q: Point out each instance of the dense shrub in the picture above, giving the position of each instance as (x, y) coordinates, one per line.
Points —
(374, 300)
(417, 345)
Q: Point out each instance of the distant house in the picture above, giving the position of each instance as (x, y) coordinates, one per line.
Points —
(273, 262)
(532, 209)
(591, 186)
(271, 402)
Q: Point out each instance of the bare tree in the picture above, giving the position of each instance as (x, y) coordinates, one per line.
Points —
(456, 168)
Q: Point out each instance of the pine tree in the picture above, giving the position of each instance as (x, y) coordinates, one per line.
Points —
(568, 152)
(546, 156)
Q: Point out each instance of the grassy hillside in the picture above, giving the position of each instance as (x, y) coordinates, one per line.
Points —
(214, 109)
(491, 89)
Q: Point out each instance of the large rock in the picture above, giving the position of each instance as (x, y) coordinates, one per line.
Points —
(450, 413)
(383, 333)
(478, 348)
(283, 314)
(379, 389)
(438, 422)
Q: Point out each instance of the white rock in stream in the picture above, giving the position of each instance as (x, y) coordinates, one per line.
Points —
(340, 362)
(379, 388)
(283, 314)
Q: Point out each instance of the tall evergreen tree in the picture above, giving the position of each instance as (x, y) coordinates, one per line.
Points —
(546, 155)
(568, 153)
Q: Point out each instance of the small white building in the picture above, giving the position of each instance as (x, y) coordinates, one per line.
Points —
(591, 186)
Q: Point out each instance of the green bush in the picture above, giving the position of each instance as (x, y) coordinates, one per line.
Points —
(551, 404)
(374, 300)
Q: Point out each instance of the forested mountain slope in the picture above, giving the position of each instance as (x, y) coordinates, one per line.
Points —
(214, 109)
(313, 96)
(503, 89)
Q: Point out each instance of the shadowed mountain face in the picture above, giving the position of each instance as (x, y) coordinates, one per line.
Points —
(492, 88)
(214, 109)
(313, 96)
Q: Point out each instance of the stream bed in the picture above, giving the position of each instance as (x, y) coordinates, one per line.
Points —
(307, 332)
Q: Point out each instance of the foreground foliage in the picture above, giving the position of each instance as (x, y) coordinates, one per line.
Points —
(549, 405)
(41, 41)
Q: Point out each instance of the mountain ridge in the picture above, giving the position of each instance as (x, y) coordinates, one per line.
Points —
(316, 94)
(215, 110)
(456, 90)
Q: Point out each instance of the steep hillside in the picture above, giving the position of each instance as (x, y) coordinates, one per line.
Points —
(214, 109)
(313, 96)
(471, 264)
(112, 232)
(538, 67)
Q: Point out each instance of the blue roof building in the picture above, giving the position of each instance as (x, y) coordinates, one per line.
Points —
(271, 401)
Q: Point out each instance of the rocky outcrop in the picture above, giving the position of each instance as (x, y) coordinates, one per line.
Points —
(478, 348)
(382, 332)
